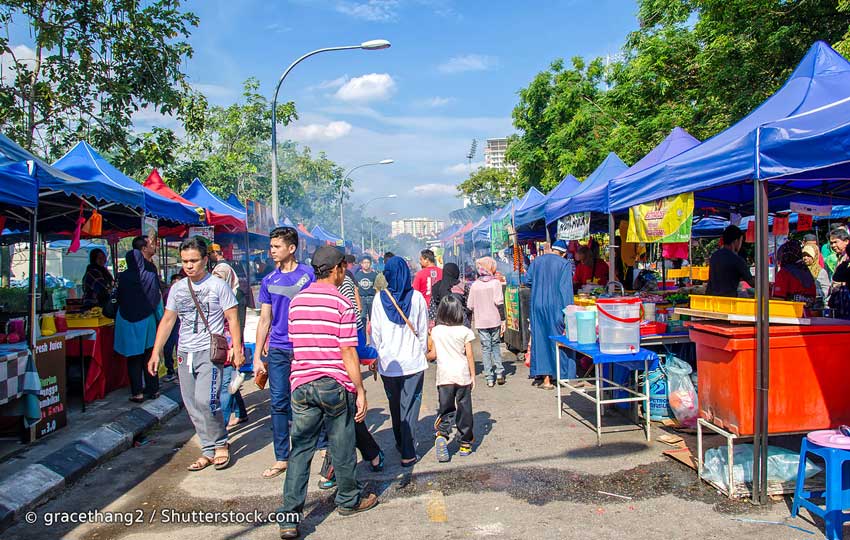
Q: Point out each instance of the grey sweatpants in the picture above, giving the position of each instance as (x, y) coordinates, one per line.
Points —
(200, 386)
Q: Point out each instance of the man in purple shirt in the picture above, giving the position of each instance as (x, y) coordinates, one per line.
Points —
(276, 292)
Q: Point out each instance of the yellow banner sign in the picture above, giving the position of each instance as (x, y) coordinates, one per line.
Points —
(667, 220)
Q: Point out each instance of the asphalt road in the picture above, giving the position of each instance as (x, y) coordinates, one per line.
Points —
(531, 476)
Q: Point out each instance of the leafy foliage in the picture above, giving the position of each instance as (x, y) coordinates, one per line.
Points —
(490, 186)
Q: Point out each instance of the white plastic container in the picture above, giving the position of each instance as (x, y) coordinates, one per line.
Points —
(649, 311)
(570, 322)
(619, 325)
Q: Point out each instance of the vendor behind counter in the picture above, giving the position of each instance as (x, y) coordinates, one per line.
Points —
(726, 269)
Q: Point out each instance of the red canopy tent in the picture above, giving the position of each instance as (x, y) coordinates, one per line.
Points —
(222, 222)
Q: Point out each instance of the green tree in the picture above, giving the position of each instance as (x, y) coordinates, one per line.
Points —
(92, 66)
(490, 186)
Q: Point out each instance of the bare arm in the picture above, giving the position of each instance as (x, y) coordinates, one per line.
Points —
(357, 300)
(352, 367)
(262, 334)
(162, 333)
(237, 354)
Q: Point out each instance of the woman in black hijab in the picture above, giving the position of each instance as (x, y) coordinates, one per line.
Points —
(450, 284)
(97, 281)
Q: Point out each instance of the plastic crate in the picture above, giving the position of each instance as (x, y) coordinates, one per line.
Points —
(745, 306)
(701, 302)
(88, 322)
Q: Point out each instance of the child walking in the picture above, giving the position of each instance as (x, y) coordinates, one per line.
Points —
(452, 349)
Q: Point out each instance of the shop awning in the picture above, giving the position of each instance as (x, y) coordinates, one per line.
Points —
(592, 194)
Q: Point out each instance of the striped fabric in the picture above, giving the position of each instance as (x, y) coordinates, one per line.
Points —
(347, 290)
(321, 321)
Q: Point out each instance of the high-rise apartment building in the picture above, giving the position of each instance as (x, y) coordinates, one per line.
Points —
(418, 227)
(494, 155)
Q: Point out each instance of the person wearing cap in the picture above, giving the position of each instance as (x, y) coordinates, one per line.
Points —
(327, 389)
(551, 279)
(726, 269)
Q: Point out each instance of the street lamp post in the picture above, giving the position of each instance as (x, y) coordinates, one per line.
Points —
(373, 45)
(342, 187)
(367, 203)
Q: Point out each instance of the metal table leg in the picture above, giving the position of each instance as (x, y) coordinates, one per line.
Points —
(558, 378)
(598, 406)
(82, 369)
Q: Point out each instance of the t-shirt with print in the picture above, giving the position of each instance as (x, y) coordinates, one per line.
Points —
(278, 289)
(321, 321)
(450, 344)
(214, 297)
(425, 280)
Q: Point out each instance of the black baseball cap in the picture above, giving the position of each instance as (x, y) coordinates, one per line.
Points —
(327, 258)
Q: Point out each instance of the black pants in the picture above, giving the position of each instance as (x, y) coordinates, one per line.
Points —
(364, 441)
(405, 396)
(455, 404)
(140, 380)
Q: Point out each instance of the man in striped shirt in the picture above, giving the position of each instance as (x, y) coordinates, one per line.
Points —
(326, 388)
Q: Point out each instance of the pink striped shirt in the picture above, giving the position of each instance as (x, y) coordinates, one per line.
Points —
(321, 321)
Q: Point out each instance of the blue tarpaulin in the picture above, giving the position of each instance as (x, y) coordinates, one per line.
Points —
(591, 195)
(17, 186)
(82, 161)
(719, 168)
(532, 218)
(198, 193)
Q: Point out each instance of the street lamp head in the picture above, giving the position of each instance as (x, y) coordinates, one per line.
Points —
(375, 45)
(393, 196)
(385, 162)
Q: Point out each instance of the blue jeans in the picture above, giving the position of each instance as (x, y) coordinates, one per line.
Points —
(279, 365)
(316, 403)
(491, 354)
(228, 400)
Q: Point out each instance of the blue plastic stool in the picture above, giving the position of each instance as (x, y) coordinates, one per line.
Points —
(836, 494)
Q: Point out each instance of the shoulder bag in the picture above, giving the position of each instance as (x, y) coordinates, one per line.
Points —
(218, 343)
(430, 343)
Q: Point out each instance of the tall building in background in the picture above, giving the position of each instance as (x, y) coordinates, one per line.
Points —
(418, 227)
(494, 155)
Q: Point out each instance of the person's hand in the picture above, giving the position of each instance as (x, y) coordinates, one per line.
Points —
(237, 357)
(360, 415)
(502, 328)
(259, 366)
(471, 388)
(265, 351)
(153, 364)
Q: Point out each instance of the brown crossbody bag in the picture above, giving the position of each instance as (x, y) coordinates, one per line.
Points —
(430, 342)
(218, 343)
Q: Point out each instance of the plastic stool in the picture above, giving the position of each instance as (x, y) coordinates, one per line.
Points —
(834, 448)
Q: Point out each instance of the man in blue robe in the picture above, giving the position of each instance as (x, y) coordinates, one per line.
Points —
(551, 280)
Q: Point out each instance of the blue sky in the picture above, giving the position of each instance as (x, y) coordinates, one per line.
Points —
(451, 75)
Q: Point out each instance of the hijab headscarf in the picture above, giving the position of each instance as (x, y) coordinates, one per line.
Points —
(790, 256)
(486, 268)
(399, 285)
(451, 277)
(815, 266)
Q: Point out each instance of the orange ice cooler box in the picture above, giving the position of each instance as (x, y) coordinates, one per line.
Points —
(809, 376)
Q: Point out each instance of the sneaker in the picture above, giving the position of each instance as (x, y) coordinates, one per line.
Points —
(367, 502)
(500, 380)
(490, 384)
(289, 530)
(441, 448)
(465, 449)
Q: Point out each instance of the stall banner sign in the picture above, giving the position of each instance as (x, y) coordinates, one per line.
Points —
(751, 232)
(500, 233)
(150, 228)
(574, 226)
(260, 218)
(666, 220)
(820, 210)
(50, 362)
(512, 308)
(804, 222)
(780, 226)
(206, 232)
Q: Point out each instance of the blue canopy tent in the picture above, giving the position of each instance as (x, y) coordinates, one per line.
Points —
(761, 163)
(198, 193)
(532, 218)
(17, 186)
(591, 195)
(532, 198)
(234, 201)
(83, 161)
(325, 236)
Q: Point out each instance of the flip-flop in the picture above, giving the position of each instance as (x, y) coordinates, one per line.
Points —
(135, 399)
(200, 464)
(411, 463)
(275, 472)
(380, 466)
(224, 464)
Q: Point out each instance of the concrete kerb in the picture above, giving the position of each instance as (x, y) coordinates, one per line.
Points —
(38, 482)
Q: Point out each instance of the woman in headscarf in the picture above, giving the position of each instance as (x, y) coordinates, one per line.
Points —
(811, 259)
(400, 335)
(97, 281)
(450, 284)
(139, 312)
(487, 304)
(794, 281)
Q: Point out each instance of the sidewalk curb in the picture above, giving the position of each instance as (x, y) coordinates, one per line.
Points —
(38, 482)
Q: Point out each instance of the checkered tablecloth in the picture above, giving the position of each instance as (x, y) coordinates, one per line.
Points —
(13, 374)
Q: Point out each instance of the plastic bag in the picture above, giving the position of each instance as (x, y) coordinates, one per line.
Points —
(680, 391)
(781, 465)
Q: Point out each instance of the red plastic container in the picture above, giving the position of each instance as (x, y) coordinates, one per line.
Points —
(809, 382)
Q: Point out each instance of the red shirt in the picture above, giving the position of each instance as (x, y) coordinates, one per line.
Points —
(584, 274)
(425, 280)
(787, 286)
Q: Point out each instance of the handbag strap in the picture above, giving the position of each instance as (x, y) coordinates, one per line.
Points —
(198, 305)
(400, 312)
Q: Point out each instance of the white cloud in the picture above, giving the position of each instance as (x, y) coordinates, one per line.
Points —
(23, 54)
(317, 132)
(462, 168)
(468, 62)
(370, 10)
(434, 190)
(481, 126)
(436, 101)
(374, 86)
(334, 83)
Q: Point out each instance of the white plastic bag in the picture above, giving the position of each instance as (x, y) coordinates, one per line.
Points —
(680, 391)
(781, 465)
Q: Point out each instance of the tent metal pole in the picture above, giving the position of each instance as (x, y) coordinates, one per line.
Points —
(762, 379)
(612, 255)
(33, 291)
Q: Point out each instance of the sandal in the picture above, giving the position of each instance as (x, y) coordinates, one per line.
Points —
(137, 399)
(236, 421)
(411, 463)
(222, 452)
(200, 464)
(380, 466)
(273, 471)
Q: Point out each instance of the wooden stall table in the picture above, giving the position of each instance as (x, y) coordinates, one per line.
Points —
(107, 370)
(593, 388)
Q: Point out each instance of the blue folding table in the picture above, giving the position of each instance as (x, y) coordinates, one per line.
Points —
(593, 388)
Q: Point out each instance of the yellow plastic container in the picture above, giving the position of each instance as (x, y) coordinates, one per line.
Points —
(745, 306)
(701, 303)
(90, 321)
